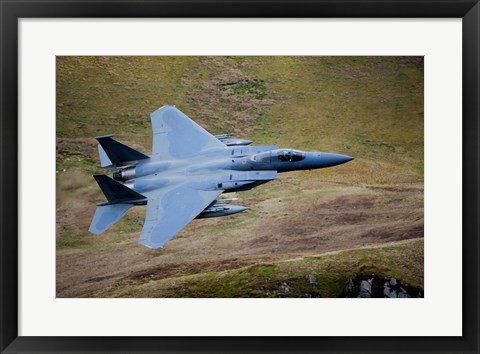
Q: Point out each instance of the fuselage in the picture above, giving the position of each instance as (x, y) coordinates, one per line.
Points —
(188, 170)
(215, 167)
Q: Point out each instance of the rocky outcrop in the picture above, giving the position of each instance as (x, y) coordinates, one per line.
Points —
(393, 289)
(365, 288)
(372, 286)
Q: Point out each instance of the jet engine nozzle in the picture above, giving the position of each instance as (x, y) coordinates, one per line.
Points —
(125, 174)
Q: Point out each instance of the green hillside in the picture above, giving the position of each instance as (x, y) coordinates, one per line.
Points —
(370, 108)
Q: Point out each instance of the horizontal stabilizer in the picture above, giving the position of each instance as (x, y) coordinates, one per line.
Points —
(117, 192)
(107, 215)
(118, 153)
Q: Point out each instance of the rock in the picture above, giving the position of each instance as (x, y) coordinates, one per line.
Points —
(365, 288)
(312, 280)
(350, 285)
(372, 287)
(387, 292)
(284, 287)
(403, 293)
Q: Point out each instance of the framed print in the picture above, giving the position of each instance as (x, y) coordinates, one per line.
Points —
(216, 176)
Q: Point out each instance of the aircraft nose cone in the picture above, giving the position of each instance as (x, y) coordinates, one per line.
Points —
(328, 159)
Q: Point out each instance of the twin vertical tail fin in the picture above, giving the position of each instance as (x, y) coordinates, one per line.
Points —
(114, 154)
(116, 193)
(120, 199)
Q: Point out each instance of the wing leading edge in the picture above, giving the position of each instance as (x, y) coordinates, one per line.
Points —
(170, 209)
(176, 136)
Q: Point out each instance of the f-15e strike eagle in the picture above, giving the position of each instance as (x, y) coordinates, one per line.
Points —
(187, 171)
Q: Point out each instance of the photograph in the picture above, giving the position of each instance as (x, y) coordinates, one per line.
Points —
(201, 177)
(239, 177)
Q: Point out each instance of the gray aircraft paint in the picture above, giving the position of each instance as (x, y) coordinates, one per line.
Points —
(107, 215)
(187, 171)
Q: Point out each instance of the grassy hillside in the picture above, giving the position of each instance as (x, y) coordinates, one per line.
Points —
(367, 107)
(289, 278)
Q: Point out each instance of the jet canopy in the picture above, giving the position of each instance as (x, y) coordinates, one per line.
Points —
(288, 155)
(281, 155)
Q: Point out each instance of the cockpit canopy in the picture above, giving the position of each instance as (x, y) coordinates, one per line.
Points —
(289, 155)
(282, 155)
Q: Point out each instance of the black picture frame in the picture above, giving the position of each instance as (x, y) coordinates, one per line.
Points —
(12, 11)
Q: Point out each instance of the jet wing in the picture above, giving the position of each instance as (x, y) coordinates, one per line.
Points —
(176, 136)
(170, 209)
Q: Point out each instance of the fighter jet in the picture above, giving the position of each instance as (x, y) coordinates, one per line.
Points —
(188, 170)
